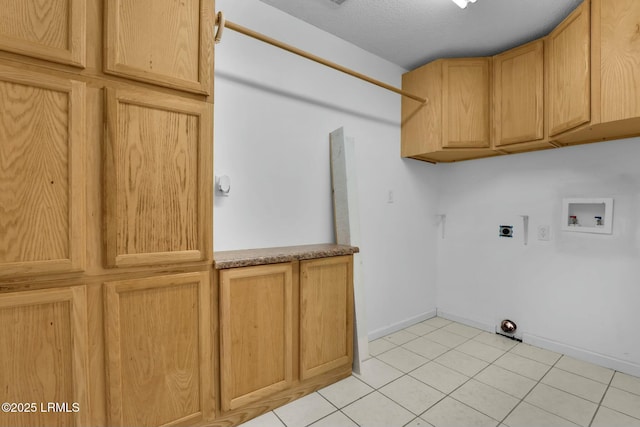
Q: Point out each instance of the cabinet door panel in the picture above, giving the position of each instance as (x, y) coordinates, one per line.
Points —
(165, 42)
(465, 103)
(620, 59)
(326, 315)
(256, 333)
(43, 355)
(51, 30)
(157, 179)
(158, 350)
(519, 94)
(569, 90)
(42, 195)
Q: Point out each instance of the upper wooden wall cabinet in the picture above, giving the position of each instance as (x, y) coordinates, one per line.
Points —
(609, 103)
(579, 84)
(568, 72)
(518, 99)
(454, 123)
(179, 52)
(53, 31)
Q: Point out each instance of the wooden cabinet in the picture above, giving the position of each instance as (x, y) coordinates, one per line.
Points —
(42, 192)
(99, 170)
(326, 315)
(518, 98)
(454, 123)
(178, 53)
(614, 71)
(568, 71)
(286, 328)
(53, 31)
(256, 332)
(44, 356)
(157, 179)
(158, 350)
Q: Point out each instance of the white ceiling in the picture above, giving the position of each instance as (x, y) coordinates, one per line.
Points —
(410, 33)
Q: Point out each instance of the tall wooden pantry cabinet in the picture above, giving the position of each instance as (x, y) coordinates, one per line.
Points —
(106, 116)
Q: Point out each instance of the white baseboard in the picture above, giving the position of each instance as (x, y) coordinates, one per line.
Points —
(582, 354)
(479, 325)
(378, 333)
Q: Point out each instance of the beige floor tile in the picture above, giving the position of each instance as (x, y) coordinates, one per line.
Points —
(622, 401)
(626, 382)
(437, 322)
(609, 418)
(426, 348)
(379, 346)
(403, 359)
(480, 351)
(507, 381)
(376, 410)
(523, 366)
(439, 377)
(575, 384)
(400, 337)
(412, 394)
(451, 413)
(420, 329)
(463, 363)
(526, 415)
(495, 340)
(343, 392)
(418, 422)
(266, 420)
(586, 369)
(337, 419)
(538, 354)
(460, 329)
(305, 410)
(377, 373)
(448, 339)
(485, 399)
(563, 404)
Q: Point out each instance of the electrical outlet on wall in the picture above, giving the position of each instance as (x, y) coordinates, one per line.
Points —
(544, 232)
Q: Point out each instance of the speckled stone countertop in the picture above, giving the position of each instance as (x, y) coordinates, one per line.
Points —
(249, 257)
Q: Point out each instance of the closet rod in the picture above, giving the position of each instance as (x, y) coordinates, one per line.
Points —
(223, 23)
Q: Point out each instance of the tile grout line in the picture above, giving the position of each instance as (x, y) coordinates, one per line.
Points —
(529, 392)
(602, 398)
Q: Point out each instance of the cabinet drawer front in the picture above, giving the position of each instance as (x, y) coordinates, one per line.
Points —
(42, 194)
(256, 325)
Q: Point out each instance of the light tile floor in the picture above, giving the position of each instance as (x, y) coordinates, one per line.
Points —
(444, 374)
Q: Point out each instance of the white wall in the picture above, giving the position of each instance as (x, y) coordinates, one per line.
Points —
(273, 115)
(577, 293)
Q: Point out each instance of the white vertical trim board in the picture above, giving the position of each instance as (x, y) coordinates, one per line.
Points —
(347, 230)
